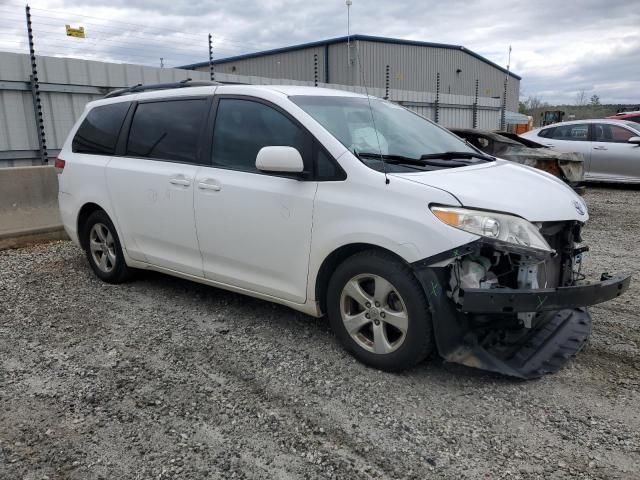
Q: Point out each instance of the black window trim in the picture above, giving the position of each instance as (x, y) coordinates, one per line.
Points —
(123, 139)
(311, 144)
(122, 124)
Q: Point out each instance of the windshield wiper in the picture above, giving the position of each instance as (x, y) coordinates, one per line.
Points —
(457, 156)
(395, 159)
(436, 161)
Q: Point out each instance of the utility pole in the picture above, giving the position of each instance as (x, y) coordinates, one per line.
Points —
(348, 3)
(161, 62)
(503, 116)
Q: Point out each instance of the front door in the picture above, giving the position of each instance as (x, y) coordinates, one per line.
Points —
(613, 157)
(254, 229)
(151, 186)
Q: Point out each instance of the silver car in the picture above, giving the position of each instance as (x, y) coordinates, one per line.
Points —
(611, 148)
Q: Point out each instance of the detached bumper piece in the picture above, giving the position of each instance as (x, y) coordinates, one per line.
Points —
(562, 325)
(542, 351)
(508, 300)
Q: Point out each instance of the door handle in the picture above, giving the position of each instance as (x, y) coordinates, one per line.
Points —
(600, 148)
(209, 184)
(180, 180)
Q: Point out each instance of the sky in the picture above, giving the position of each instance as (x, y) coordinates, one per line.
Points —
(559, 48)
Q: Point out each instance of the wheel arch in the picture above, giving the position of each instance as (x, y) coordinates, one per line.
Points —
(335, 258)
(83, 215)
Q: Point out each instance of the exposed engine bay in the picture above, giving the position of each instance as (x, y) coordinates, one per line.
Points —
(514, 310)
(492, 268)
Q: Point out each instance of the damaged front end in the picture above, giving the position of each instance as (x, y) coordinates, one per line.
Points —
(567, 166)
(513, 309)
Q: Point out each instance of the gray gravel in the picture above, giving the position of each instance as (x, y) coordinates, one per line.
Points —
(162, 378)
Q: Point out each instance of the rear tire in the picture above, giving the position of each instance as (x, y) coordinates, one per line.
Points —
(379, 312)
(103, 249)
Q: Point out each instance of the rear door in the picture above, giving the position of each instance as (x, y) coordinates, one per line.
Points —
(613, 158)
(572, 137)
(254, 228)
(151, 182)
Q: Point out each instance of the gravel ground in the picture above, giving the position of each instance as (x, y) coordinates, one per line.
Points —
(163, 378)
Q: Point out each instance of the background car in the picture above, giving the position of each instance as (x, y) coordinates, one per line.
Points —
(567, 166)
(611, 148)
(629, 116)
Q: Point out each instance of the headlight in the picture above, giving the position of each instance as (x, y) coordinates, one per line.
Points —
(498, 226)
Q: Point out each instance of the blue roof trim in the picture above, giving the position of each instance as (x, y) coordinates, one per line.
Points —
(367, 38)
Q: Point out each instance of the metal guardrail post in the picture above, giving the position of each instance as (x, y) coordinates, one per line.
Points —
(212, 73)
(315, 69)
(503, 113)
(386, 83)
(35, 92)
(475, 106)
(437, 103)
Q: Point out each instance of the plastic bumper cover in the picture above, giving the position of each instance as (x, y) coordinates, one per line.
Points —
(562, 333)
(508, 300)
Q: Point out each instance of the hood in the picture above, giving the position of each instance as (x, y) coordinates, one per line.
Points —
(507, 187)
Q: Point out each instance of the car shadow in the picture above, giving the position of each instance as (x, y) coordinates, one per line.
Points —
(612, 186)
(284, 319)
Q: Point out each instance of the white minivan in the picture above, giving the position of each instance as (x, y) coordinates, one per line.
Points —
(335, 203)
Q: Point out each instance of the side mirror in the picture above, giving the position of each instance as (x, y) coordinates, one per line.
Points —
(279, 159)
(634, 140)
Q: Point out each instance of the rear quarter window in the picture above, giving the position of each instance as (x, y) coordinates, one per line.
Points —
(99, 131)
(546, 133)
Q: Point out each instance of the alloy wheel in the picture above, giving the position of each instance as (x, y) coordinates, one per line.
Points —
(374, 314)
(102, 247)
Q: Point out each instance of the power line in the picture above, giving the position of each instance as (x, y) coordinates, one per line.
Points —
(112, 21)
(148, 44)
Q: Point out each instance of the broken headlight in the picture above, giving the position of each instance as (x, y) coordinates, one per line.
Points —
(496, 226)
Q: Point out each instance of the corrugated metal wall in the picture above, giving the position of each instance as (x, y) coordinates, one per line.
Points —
(68, 84)
(412, 67)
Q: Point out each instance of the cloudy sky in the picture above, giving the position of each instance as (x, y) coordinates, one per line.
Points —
(559, 47)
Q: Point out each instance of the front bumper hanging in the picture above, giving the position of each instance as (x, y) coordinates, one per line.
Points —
(510, 300)
(562, 332)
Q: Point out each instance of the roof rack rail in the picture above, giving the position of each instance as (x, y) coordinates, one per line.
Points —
(188, 82)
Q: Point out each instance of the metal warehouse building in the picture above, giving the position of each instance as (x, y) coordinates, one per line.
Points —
(385, 63)
(448, 84)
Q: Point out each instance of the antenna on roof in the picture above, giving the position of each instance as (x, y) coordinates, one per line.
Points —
(373, 118)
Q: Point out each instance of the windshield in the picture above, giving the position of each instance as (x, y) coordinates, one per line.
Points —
(391, 130)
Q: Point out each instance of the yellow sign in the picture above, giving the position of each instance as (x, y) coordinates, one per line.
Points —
(75, 32)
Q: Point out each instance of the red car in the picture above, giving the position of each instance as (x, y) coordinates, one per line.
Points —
(631, 116)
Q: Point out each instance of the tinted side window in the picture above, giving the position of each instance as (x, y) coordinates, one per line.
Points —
(243, 127)
(325, 167)
(604, 132)
(99, 131)
(546, 133)
(167, 130)
(571, 132)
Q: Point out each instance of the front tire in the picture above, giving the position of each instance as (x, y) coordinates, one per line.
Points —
(379, 312)
(103, 249)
